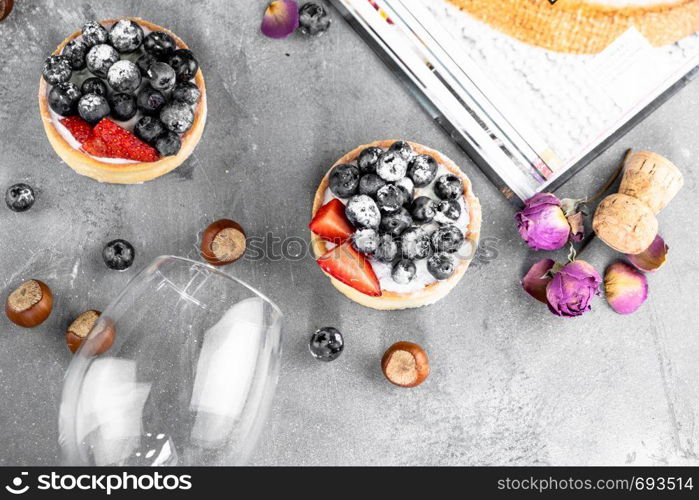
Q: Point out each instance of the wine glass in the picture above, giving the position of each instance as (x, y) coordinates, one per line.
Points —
(179, 370)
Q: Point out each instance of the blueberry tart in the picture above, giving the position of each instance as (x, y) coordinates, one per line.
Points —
(104, 82)
(395, 225)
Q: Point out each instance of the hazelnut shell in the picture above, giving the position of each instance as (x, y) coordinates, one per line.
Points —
(34, 314)
(405, 364)
(79, 329)
(6, 8)
(209, 237)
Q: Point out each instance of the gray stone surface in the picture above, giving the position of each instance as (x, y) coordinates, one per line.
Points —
(511, 384)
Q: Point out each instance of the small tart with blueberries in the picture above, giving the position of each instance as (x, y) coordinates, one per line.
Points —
(123, 101)
(395, 225)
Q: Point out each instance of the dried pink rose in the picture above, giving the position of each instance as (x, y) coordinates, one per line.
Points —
(625, 287)
(652, 258)
(542, 223)
(572, 288)
(281, 19)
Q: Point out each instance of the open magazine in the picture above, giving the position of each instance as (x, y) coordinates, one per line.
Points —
(530, 111)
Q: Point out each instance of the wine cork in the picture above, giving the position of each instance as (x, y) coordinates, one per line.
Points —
(651, 178)
(625, 223)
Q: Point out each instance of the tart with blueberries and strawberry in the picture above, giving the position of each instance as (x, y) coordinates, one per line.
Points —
(123, 101)
(395, 225)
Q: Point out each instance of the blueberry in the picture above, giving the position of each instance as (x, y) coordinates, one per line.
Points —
(403, 271)
(118, 255)
(423, 209)
(408, 188)
(64, 98)
(126, 35)
(123, 106)
(168, 144)
(100, 59)
(369, 184)
(149, 129)
(57, 69)
(441, 266)
(19, 197)
(75, 51)
(390, 198)
(391, 166)
(449, 187)
(362, 212)
(124, 76)
(184, 64)
(447, 239)
(177, 116)
(313, 19)
(448, 212)
(150, 101)
(365, 240)
(367, 159)
(386, 249)
(92, 108)
(161, 76)
(186, 92)
(396, 223)
(326, 344)
(159, 44)
(144, 62)
(94, 85)
(415, 243)
(94, 34)
(422, 170)
(344, 180)
(403, 149)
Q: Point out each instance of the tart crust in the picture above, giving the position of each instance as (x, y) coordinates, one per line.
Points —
(124, 173)
(431, 293)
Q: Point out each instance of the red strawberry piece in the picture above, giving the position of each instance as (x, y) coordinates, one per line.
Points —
(331, 223)
(347, 265)
(121, 143)
(96, 147)
(79, 128)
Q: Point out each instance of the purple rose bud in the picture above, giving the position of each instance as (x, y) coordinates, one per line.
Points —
(571, 289)
(542, 223)
(626, 288)
(281, 19)
(652, 258)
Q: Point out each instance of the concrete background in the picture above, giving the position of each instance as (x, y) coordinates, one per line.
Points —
(511, 384)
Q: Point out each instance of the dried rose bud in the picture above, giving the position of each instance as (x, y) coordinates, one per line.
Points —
(572, 288)
(281, 19)
(625, 287)
(652, 258)
(542, 223)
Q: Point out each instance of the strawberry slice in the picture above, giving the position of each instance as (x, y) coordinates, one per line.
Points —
(96, 147)
(346, 264)
(78, 128)
(331, 223)
(121, 143)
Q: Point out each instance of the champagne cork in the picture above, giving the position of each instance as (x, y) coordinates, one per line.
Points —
(651, 178)
(625, 223)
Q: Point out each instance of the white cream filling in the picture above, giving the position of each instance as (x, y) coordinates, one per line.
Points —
(422, 276)
(77, 78)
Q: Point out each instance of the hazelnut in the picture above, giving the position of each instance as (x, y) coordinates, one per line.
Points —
(405, 364)
(223, 242)
(30, 304)
(5, 8)
(80, 328)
